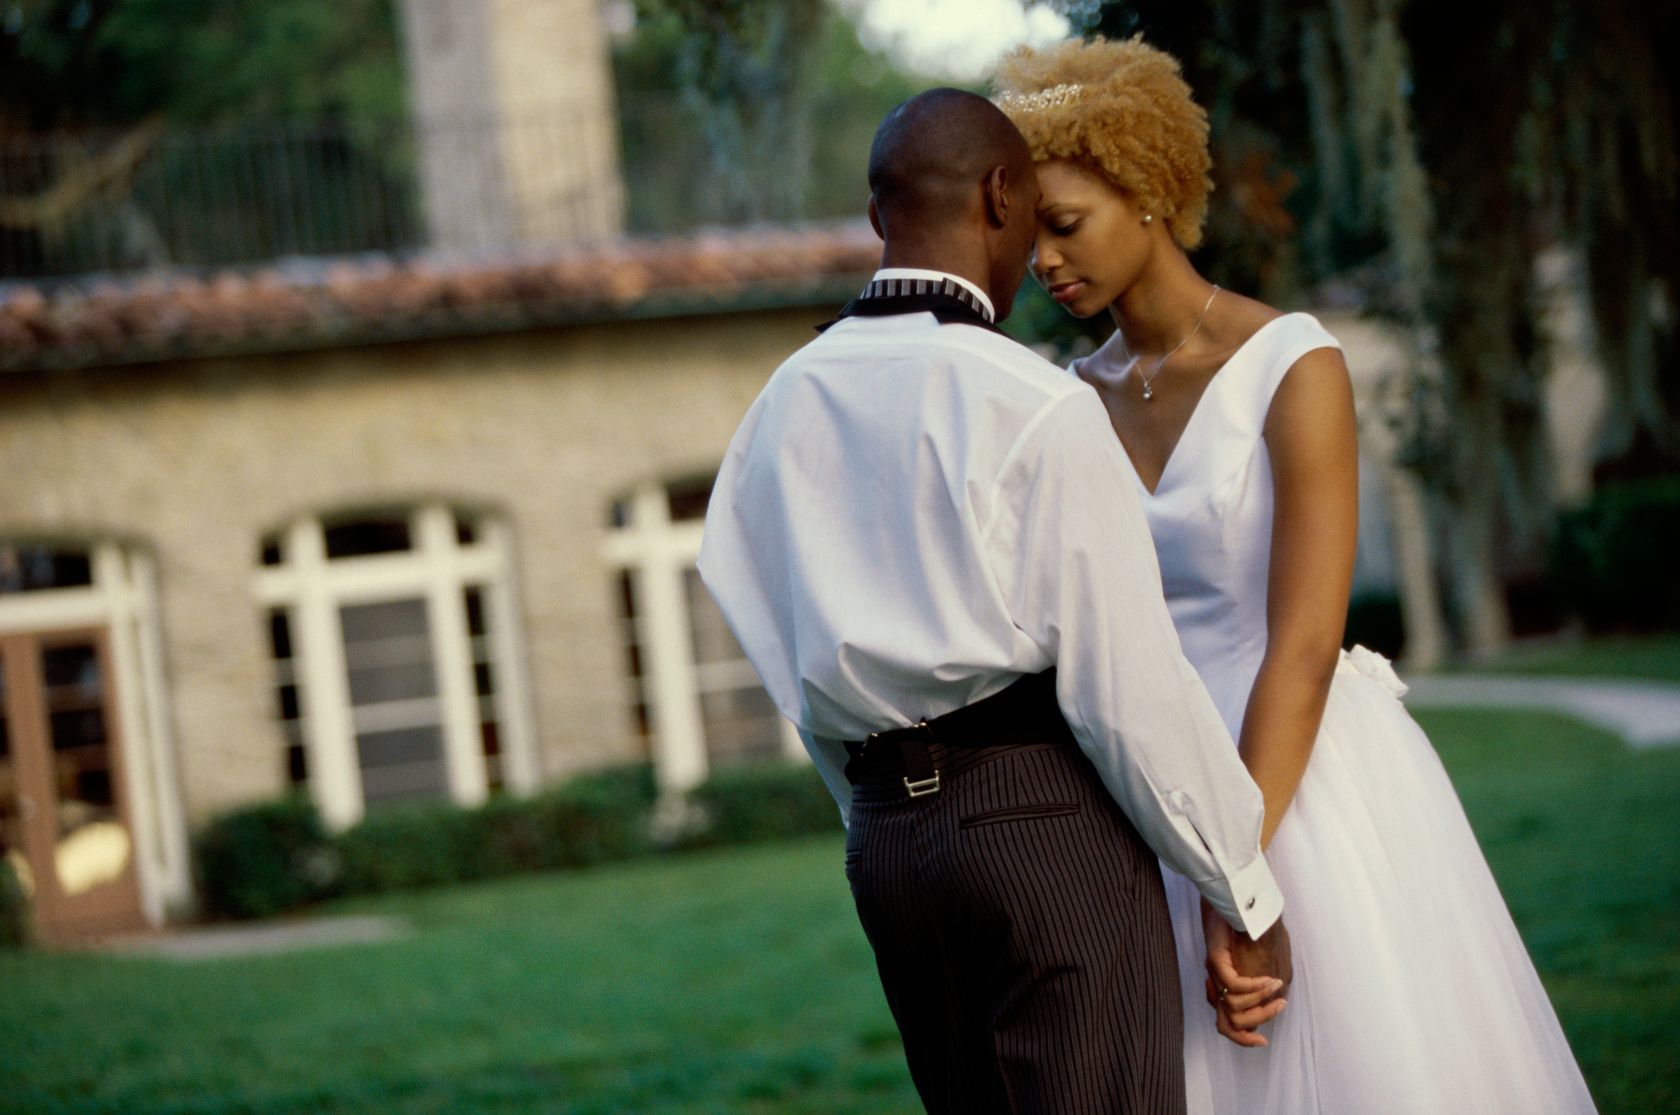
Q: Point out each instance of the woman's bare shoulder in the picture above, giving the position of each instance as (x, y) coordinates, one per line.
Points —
(1239, 319)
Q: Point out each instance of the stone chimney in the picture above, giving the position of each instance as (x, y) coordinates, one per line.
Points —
(516, 132)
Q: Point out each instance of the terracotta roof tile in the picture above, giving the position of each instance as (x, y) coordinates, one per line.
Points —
(306, 304)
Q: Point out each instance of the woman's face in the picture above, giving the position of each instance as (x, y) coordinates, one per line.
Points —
(1092, 242)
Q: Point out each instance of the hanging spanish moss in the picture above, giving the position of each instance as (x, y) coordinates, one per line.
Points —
(1616, 146)
(1443, 148)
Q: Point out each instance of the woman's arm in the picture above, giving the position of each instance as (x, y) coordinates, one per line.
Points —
(1311, 435)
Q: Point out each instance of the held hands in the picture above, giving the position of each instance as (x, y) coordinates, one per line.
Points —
(1252, 974)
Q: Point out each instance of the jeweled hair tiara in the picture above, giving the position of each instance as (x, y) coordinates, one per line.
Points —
(1053, 97)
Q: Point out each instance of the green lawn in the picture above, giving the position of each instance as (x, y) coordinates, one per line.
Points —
(1584, 836)
(738, 981)
(1630, 656)
(729, 982)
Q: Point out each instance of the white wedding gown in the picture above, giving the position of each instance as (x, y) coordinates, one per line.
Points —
(1413, 994)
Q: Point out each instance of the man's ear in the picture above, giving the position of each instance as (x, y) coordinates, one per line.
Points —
(875, 219)
(995, 190)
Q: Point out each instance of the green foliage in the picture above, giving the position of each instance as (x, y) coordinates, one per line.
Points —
(1613, 559)
(399, 847)
(1438, 150)
(715, 142)
(199, 132)
(1038, 320)
(744, 69)
(14, 909)
(763, 801)
(1374, 620)
(267, 859)
(737, 46)
(1244, 66)
(262, 860)
(591, 819)
(68, 63)
(1615, 143)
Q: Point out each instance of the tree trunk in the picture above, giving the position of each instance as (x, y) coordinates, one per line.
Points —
(1420, 598)
(1478, 594)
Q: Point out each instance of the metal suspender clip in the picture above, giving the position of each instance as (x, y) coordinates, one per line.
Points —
(921, 778)
(924, 787)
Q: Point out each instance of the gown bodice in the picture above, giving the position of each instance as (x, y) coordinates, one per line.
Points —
(1211, 512)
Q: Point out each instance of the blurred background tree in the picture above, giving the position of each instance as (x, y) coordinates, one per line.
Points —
(114, 63)
(94, 92)
(1412, 158)
(777, 102)
(745, 68)
(1420, 156)
(232, 116)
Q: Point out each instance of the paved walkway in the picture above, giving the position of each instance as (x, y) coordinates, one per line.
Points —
(1645, 713)
(217, 942)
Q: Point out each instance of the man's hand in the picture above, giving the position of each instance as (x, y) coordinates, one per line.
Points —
(1246, 977)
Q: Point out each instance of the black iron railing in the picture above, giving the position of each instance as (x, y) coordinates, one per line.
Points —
(152, 197)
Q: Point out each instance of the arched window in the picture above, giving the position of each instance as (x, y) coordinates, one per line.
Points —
(90, 817)
(697, 698)
(399, 668)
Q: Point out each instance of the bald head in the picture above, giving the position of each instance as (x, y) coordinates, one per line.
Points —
(951, 178)
(934, 150)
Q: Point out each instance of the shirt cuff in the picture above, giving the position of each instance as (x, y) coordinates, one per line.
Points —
(1259, 902)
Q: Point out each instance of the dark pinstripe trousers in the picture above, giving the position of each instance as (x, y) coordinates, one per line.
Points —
(1021, 932)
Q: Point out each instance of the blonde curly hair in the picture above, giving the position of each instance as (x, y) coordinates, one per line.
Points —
(1123, 110)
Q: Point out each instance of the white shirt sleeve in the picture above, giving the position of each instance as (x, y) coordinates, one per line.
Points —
(1074, 559)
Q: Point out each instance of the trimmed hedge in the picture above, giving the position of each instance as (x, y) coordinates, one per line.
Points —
(1613, 559)
(269, 858)
(592, 819)
(266, 859)
(14, 909)
(762, 801)
(404, 846)
(601, 816)
(263, 860)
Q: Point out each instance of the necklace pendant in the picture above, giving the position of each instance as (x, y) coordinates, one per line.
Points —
(1148, 392)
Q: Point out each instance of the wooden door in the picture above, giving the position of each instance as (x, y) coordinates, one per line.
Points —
(64, 815)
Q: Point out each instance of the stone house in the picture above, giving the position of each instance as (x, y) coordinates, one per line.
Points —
(398, 533)
(414, 523)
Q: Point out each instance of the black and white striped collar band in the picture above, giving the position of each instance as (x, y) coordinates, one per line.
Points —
(901, 288)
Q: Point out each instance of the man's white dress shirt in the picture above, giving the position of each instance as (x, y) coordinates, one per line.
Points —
(911, 516)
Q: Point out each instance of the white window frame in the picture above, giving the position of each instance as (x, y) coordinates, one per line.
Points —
(657, 552)
(438, 569)
(123, 599)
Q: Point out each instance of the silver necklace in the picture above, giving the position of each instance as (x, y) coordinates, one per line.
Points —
(1148, 391)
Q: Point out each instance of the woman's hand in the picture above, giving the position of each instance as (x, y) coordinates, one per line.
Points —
(1246, 977)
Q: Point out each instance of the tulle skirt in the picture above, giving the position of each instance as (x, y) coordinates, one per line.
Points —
(1413, 994)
